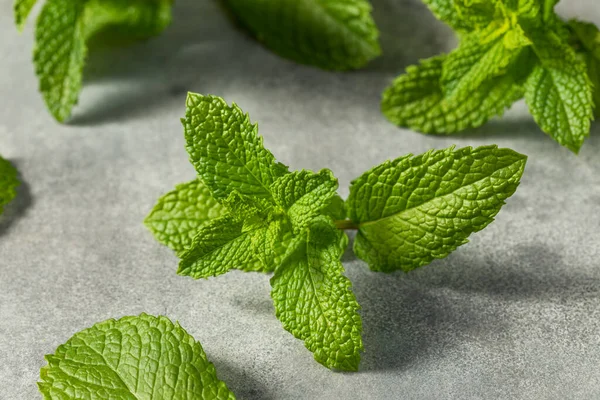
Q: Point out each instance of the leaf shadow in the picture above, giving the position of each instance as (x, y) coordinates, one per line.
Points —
(402, 37)
(409, 318)
(18, 207)
(240, 382)
(159, 71)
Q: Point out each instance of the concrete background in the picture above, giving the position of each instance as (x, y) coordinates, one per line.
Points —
(512, 315)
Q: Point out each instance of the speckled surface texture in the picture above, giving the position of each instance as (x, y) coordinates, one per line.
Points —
(515, 314)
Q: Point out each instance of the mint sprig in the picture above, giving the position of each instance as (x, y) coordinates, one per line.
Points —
(65, 26)
(8, 183)
(407, 212)
(508, 50)
(138, 357)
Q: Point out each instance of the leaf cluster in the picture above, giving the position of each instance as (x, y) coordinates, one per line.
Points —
(509, 49)
(246, 211)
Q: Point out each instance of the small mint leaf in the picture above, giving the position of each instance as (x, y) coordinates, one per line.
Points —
(8, 183)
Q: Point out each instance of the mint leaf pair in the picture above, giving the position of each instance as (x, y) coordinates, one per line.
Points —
(65, 26)
(8, 183)
(330, 34)
(141, 357)
(248, 212)
(508, 50)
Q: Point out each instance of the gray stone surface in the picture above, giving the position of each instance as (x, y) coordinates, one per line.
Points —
(512, 315)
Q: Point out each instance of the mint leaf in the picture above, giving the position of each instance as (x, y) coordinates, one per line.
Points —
(8, 183)
(330, 34)
(22, 9)
(588, 37)
(62, 30)
(416, 100)
(141, 357)
(220, 245)
(176, 217)
(414, 209)
(313, 299)
(559, 92)
(303, 195)
(226, 150)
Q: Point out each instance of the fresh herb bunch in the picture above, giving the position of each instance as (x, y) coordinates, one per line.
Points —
(329, 34)
(141, 357)
(8, 183)
(508, 49)
(248, 212)
(65, 26)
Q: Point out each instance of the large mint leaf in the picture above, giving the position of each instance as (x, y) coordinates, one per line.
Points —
(226, 150)
(176, 217)
(330, 34)
(142, 357)
(313, 299)
(8, 183)
(559, 92)
(414, 209)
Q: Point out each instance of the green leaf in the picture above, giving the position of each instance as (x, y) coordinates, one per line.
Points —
(416, 100)
(414, 209)
(226, 150)
(478, 59)
(62, 30)
(176, 217)
(559, 92)
(141, 357)
(303, 195)
(220, 245)
(8, 183)
(22, 9)
(446, 11)
(588, 37)
(336, 209)
(59, 54)
(330, 34)
(313, 299)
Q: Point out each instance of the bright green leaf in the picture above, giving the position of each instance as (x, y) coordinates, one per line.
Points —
(414, 209)
(446, 11)
(226, 150)
(313, 299)
(141, 357)
(330, 34)
(303, 195)
(8, 183)
(176, 217)
(559, 92)
(22, 9)
(220, 245)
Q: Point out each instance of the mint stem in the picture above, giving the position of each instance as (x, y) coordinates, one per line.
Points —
(345, 224)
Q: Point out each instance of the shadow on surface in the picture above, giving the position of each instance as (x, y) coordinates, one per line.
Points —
(17, 208)
(204, 50)
(403, 40)
(241, 383)
(159, 70)
(425, 313)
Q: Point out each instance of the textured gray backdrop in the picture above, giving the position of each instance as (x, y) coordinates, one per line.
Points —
(512, 315)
